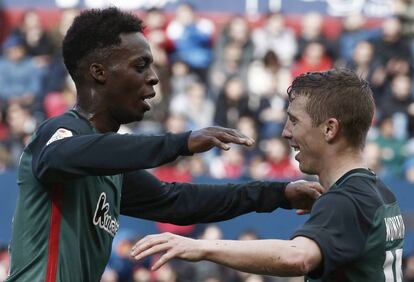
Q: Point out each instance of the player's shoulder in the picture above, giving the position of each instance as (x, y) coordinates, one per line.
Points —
(365, 186)
(70, 121)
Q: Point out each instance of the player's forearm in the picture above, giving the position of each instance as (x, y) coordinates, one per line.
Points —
(212, 203)
(267, 257)
(106, 154)
(196, 203)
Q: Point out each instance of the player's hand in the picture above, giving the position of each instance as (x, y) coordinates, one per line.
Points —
(204, 139)
(169, 246)
(302, 194)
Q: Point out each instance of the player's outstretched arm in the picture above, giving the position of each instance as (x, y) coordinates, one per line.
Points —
(269, 257)
(60, 150)
(144, 196)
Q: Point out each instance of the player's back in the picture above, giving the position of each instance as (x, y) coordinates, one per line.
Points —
(363, 230)
(381, 257)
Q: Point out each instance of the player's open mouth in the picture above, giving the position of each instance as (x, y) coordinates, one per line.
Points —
(147, 105)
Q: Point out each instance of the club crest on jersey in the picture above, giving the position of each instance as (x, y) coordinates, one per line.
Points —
(101, 217)
(61, 133)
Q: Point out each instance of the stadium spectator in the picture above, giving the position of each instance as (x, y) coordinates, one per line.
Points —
(266, 76)
(398, 103)
(194, 105)
(181, 78)
(404, 11)
(392, 149)
(354, 31)
(366, 65)
(314, 58)
(21, 124)
(229, 164)
(277, 163)
(275, 36)
(372, 155)
(155, 30)
(38, 47)
(120, 261)
(236, 31)
(392, 46)
(56, 103)
(222, 70)
(58, 31)
(20, 80)
(232, 103)
(192, 39)
(311, 29)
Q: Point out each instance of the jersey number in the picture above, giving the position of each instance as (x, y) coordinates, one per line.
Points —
(392, 266)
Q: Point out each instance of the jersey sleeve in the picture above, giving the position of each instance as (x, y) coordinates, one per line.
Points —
(144, 196)
(339, 230)
(75, 154)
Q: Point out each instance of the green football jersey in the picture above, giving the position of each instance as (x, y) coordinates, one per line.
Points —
(62, 241)
(359, 229)
(70, 181)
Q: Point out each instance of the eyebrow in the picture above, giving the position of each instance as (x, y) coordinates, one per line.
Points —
(146, 58)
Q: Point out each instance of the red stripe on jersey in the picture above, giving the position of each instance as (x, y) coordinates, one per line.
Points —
(54, 234)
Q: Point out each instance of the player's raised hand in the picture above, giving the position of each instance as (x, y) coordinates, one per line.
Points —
(302, 194)
(204, 139)
(170, 246)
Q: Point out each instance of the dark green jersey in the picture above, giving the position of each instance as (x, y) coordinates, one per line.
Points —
(359, 229)
(74, 183)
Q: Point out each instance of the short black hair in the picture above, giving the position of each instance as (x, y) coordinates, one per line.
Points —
(94, 31)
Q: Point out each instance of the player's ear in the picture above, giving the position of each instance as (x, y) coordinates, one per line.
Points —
(98, 73)
(331, 129)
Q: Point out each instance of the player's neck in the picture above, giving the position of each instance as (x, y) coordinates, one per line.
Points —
(100, 120)
(104, 123)
(336, 166)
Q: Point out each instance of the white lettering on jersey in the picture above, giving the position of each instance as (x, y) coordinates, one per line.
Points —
(61, 133)
(395, 228)
(101, 217)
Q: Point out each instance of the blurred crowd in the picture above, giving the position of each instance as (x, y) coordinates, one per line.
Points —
(234, 75)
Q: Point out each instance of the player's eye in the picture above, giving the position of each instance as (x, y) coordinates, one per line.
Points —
(141, 67)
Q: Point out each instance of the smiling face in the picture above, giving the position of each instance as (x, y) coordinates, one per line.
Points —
(307, 140)
(129, 79)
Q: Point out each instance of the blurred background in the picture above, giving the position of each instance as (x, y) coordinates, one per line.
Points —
(224, 63)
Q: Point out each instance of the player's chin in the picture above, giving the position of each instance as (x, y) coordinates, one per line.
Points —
(306, 169)
(131, 117)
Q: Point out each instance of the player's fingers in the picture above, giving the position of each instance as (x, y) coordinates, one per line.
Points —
(314, 194)
(234, 136)
(147, 242)
(241, 138)
(228, 138)
(162, 260)
(217, 143)
(318, 187)
(153, 250)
